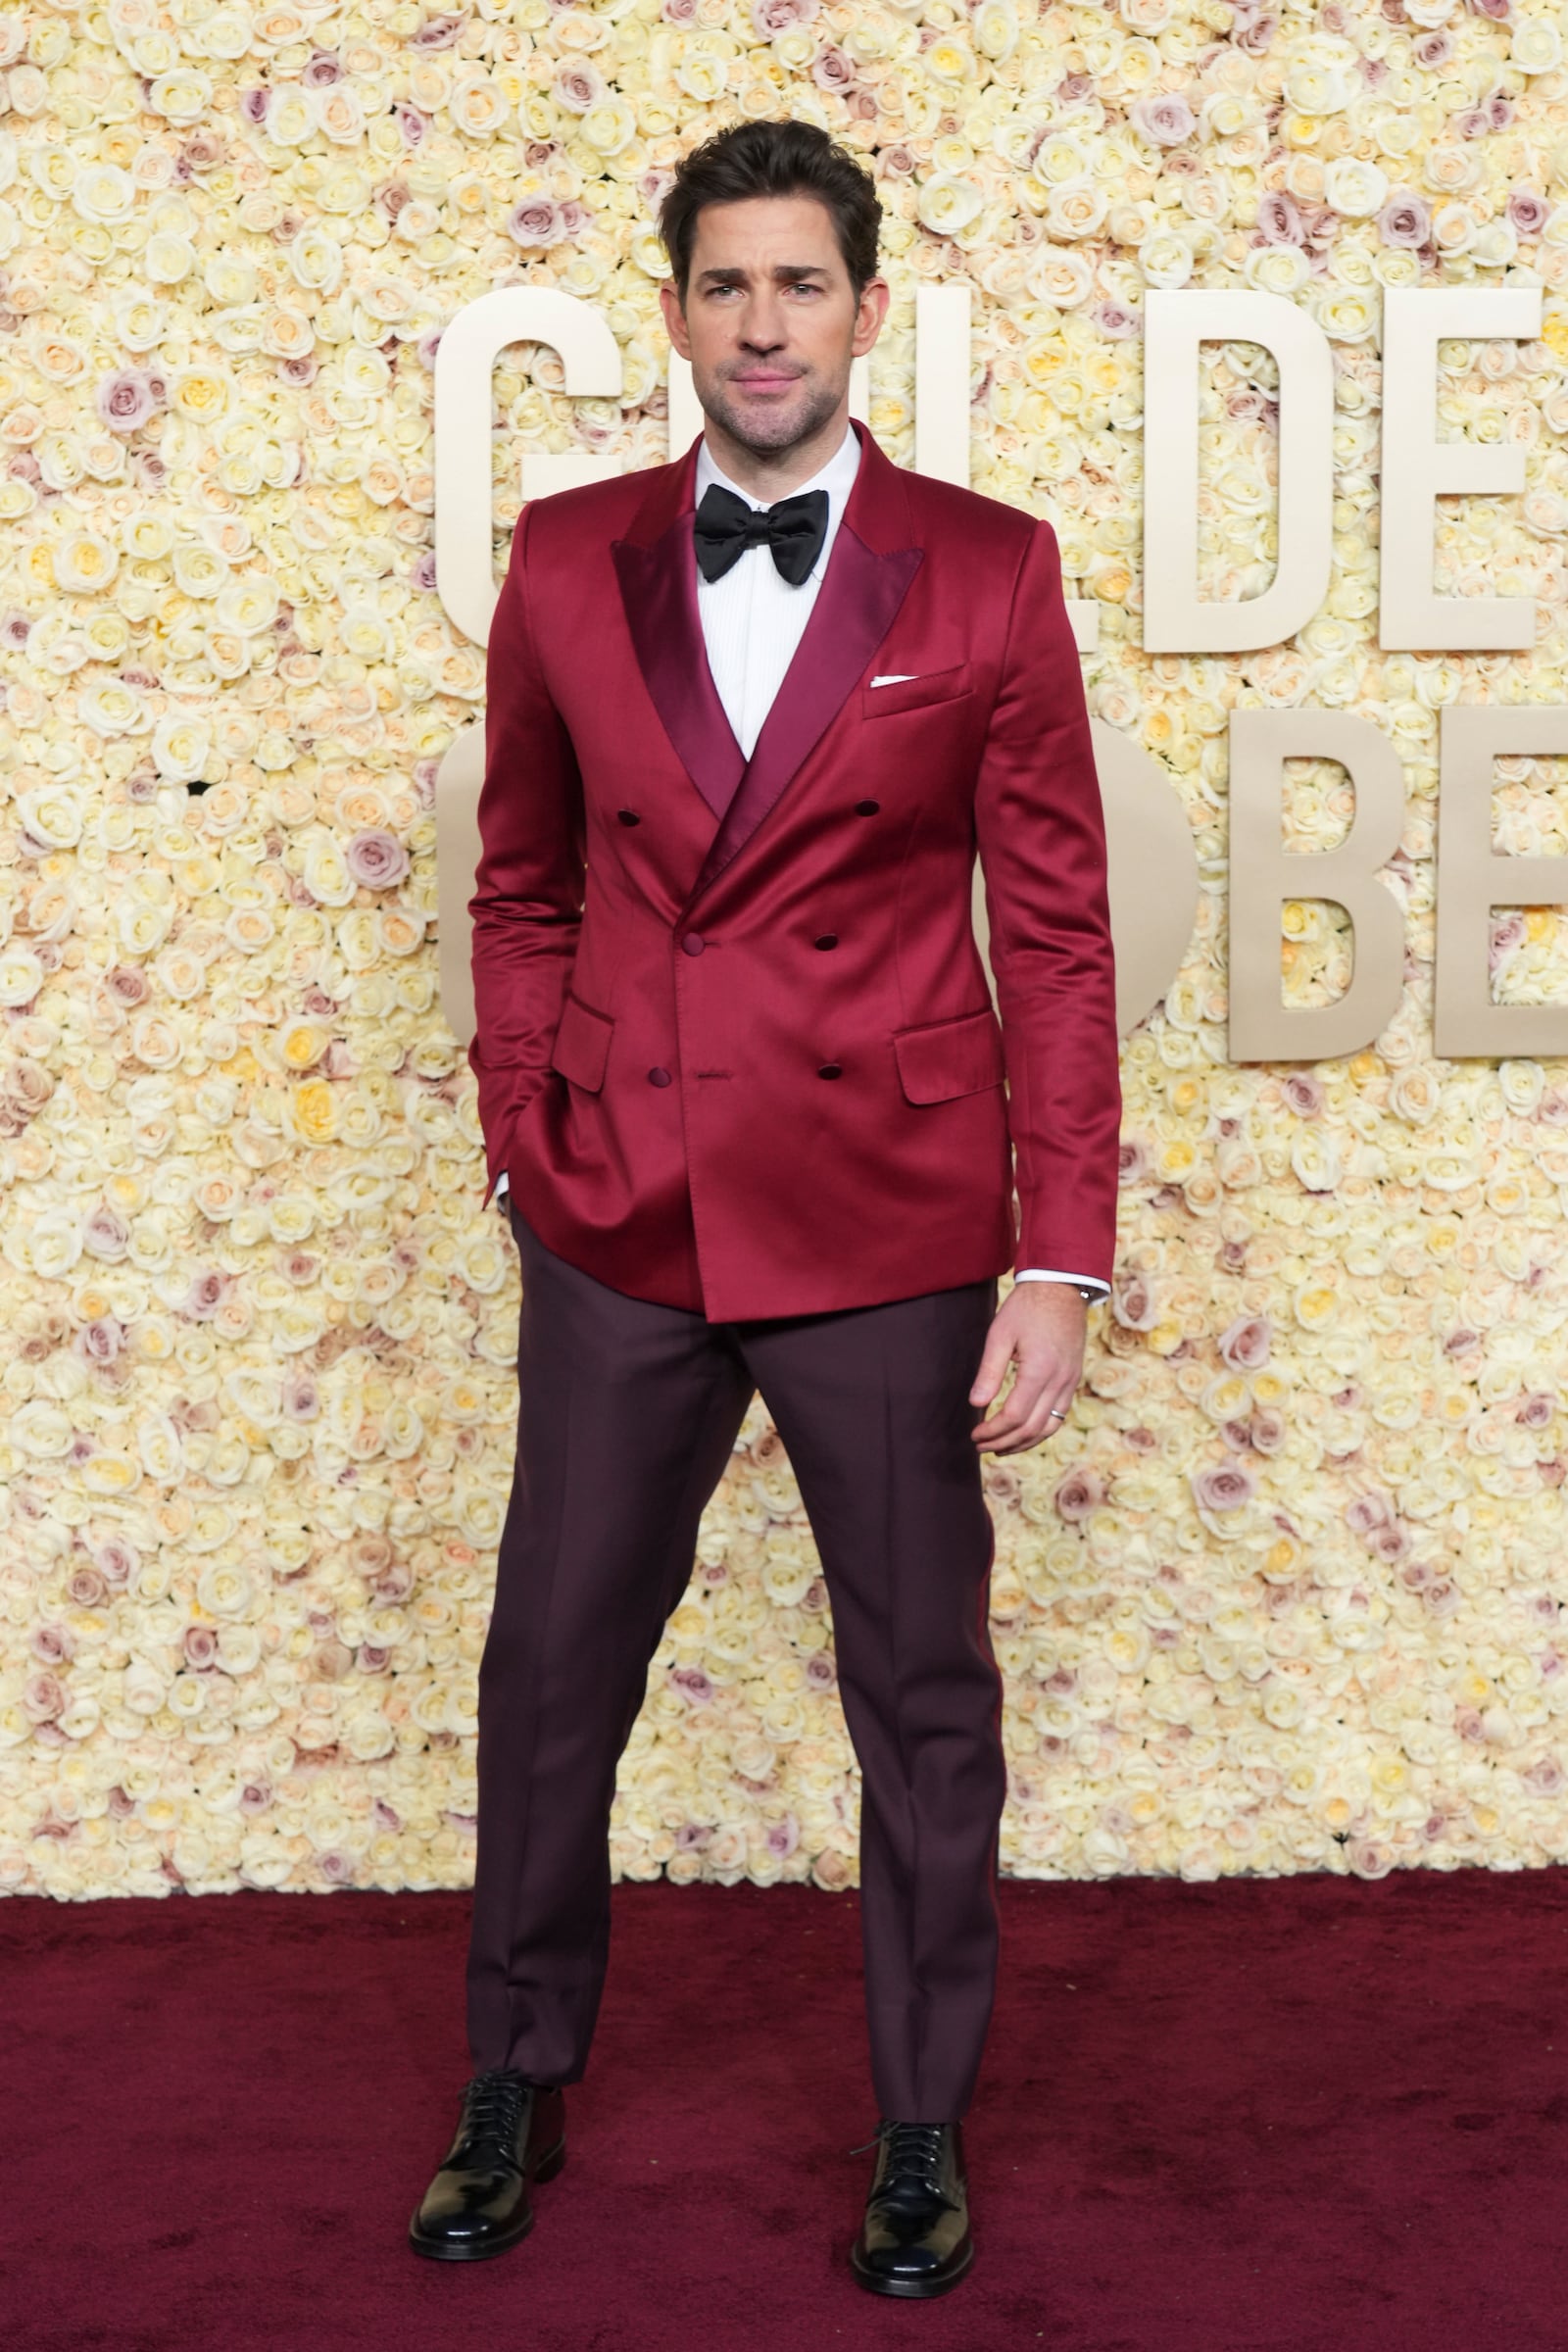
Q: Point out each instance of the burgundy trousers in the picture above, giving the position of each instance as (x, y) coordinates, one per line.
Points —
(627, 1415)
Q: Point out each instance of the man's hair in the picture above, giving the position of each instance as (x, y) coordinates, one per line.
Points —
(774, 158)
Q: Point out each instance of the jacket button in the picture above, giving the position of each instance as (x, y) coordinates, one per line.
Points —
(829, 939)
(866, 808)
(694, 943)
(658, 1077)
(628, 816)
(831, 1069)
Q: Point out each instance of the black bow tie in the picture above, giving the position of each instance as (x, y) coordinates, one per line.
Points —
(726, 527)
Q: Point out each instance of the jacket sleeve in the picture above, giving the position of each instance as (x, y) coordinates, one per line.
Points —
(1042, 841)
(528, 896)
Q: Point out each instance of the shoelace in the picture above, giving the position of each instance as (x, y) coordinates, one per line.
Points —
(492, 2110)
(915, 2154)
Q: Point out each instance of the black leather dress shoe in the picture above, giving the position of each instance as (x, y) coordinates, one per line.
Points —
(511, 2134)
(915, 2238)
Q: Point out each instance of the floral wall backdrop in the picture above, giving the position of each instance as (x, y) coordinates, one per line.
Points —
(1284, 1594)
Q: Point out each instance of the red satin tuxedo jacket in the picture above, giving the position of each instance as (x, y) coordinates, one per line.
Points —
(735, 1048)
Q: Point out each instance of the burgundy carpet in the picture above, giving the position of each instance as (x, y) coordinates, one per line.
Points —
(1294, 2116)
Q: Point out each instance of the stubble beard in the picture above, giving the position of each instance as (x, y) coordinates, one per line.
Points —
(769, 435)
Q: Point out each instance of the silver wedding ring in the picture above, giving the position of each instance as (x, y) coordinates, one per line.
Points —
(1054, 1415)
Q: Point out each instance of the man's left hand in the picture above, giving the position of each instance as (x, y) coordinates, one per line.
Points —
(1040, 1327)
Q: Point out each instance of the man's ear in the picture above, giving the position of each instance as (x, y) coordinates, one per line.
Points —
(870, 311)
(674, 309)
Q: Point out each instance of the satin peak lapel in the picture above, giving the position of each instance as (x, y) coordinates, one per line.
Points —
(658, 589)
(856, 606)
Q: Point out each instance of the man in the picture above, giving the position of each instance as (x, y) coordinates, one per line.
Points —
(749, 716)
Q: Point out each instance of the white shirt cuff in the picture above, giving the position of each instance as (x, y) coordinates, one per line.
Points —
(1083, 1282)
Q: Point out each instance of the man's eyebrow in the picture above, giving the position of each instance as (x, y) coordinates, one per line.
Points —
(784, 272)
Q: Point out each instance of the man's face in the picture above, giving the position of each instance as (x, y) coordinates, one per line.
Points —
(770, 321)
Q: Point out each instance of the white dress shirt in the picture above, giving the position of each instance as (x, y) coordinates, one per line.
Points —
(753, 621)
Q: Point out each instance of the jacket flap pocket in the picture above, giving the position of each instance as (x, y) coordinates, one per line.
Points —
(915, 694)
(944, 1059)
(582, 1045)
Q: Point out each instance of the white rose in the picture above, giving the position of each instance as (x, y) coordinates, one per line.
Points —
(41, 1430)
(248, 604)
(182, 745)
(1166, 260)
(1277, 269)
(21, 975)
(84, 562)
(182, 95)
(103, 192)
(946, 205)
(52, 814)
(113, 709)
(1537, 46)
(1076, 209)
(1355, 189)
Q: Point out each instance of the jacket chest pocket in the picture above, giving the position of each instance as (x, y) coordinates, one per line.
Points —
(582, 1045)
(915, 694)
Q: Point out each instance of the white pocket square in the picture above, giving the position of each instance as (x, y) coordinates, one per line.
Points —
(902, 679)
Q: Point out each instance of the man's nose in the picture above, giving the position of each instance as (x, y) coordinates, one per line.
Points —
(763, 328)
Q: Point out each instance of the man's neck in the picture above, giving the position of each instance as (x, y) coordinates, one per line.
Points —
(773, 474)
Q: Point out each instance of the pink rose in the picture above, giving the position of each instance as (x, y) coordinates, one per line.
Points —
(1223, 1486)
(205, 1297)
(1280, 221)
(536, 221)
(100, 1343)
(126, 400)
(1245, 1346)
(1120, 325)
(105, 1233)
(1405, 220)
(1132, 1161)
(579, 87)
(117, 1560)
(376, 859)
(1164, 119)
(43, 1697)
(1133, 1304)
(1528, 212)
(1079, 1493)
(770, 16)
